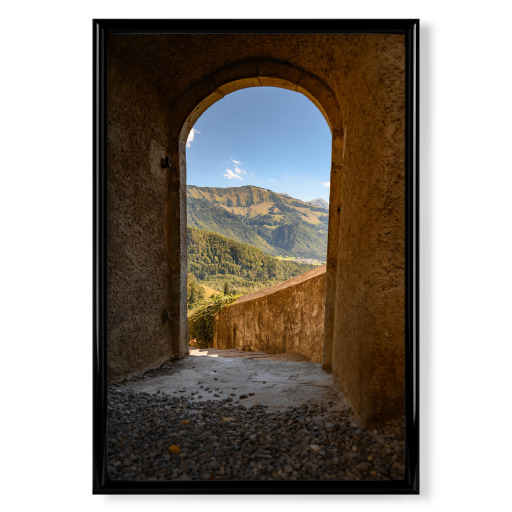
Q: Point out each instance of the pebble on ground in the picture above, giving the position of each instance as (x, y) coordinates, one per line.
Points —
(162, 437)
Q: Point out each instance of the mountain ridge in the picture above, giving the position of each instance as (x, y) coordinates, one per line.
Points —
(277, 224)
(321, 203)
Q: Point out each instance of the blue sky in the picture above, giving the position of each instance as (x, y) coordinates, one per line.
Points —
(263, 136)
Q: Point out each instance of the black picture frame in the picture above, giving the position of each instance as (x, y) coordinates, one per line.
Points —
(101, 30)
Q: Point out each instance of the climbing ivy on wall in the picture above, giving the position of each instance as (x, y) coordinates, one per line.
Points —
(201, 321)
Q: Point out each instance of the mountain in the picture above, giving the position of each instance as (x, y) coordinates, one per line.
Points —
(320, 203)
(277, 224)
(214, 260)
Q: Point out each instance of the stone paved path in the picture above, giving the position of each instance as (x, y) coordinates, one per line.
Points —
(240, 354)
(245, 378)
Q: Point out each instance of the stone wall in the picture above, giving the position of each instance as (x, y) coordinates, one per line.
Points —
(139, 329)
(286, 318)
(158, 87)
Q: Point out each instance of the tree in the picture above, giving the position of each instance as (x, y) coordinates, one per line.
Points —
(226, 288)
(195, 292)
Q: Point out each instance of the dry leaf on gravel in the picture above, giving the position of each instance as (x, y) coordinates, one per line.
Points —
(174, 449)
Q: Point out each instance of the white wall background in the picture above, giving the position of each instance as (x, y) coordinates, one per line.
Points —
(46, 233)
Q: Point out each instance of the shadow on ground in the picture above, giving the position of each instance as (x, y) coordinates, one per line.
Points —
(246, 416)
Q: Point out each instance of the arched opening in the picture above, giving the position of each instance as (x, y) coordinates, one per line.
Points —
(258, 175)
(195, 102)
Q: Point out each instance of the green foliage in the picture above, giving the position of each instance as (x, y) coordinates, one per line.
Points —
(215, 260)
(201, 321)
(237, 285)
(195, 292)
(226, 288)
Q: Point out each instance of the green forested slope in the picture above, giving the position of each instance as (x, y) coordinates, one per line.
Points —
(214, 260)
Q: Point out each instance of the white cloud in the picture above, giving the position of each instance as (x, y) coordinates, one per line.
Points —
(237, 168)
(272, 180)
(327, 184)
(191, 136)
(238, 172)
(231, 175)
(285, 173)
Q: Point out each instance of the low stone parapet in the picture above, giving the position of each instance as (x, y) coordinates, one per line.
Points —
(286, 318)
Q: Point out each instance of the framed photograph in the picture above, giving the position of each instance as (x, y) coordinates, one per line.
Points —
(256, 256)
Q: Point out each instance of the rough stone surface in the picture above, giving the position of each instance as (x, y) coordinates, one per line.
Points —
(138, 329)
(275, 384)
(369, 321)
(286, 318)
(158, 86)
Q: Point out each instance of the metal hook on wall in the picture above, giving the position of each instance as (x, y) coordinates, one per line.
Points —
(166, 162)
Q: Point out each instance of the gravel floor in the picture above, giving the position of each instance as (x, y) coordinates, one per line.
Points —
(161, 437)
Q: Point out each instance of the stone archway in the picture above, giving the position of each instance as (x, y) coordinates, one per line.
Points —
(157, 86)
(270, 73)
